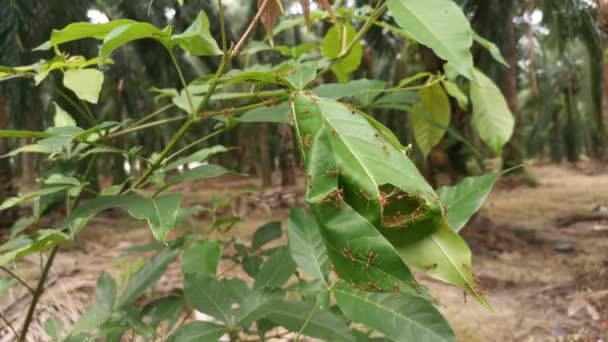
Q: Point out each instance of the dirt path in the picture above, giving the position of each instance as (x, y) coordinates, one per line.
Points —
(534, 271)
(546, 283)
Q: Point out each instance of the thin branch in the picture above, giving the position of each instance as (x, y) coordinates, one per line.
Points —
(252, 25)
(149, 124)
(356, 39)
(37, 294)
(9, 325)
(17, 278)
(182, 80)
(308, 319)
(196, 142)
(153, 114)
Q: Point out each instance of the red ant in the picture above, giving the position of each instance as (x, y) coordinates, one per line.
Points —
(349, 254)
(371, 257)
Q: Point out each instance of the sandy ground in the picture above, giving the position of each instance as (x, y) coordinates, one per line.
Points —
(545, 282)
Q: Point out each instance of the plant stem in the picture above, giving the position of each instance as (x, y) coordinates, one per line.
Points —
(182, 80)
(252, 24)
(356, 39)
(87, 110)
(80, 109)
(37, 294)
(149, 124)
(153, 114)
(198, 141)
(308, 319)
(191, 118)
(17, 278)
(222, 26)
(9, 325)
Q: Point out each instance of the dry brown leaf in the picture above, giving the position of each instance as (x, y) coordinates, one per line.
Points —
(306, 11)
(327, 7)
(270, 14)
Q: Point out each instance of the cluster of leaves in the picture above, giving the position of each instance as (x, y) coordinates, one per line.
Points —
(373, 214)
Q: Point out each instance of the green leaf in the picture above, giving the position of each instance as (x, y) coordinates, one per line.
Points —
(276, 270)
(454, 91)
(53, 327)
(35, 148)
(323, 324)
(124, 34)
(255, 306)
(301, 75)
(13, 201)
(492, 118)
(266, 76)
(306, 244)
(465, 198)
(276, 114)
(85, 83)
(266, 233)
(492, 49)
(335, 40)
(202, 257)
(76, 31)
(198, 157)
(200, 172)
(440, 25)
(91, 133)
(251, 264)
(23, 134)
(163, 309)
(197, 331)
(197, 38)
(90, 320)
(105, 292)
(363, 90)
(160, 212)
(435, 107)
(61, 139)
(402, 318)
(209, 296)
(146, 276)
(180, 3)
(22, 224)
(42, 241)
(374, 207)
(62, 118)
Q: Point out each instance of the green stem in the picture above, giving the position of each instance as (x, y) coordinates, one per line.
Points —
(174, 140)
(196, 142)
(308, 319)
(17, 278)
(148, 125)
(222, 27)
(37, 294)
(182, 80)
(153, 114)
(90, 115)
(356, 39)
(80, 110)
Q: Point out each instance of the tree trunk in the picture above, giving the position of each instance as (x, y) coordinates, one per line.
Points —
(287, 157)
(7, 217)
(532, 52)
(513, 155)
(265, 162)
(602, 19)
(28, 168)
